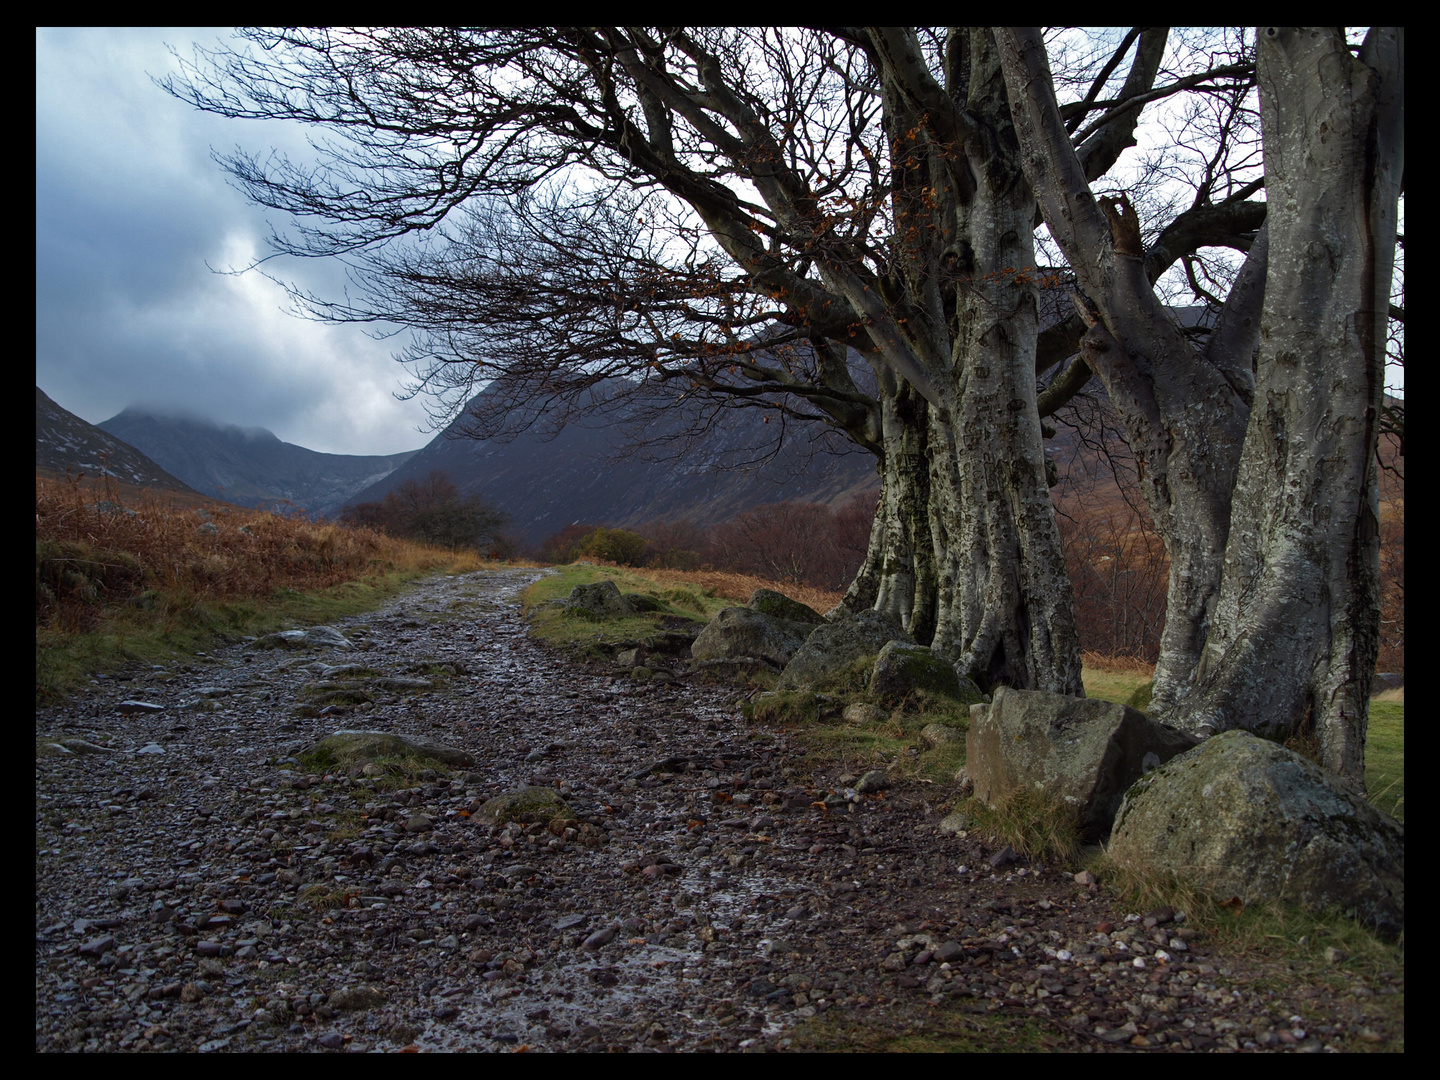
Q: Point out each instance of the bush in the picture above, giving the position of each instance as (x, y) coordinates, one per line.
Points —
(432, 512)
(614, 545)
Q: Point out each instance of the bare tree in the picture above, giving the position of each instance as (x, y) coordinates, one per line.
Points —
(733, 215)
(729, 211)
(1265, 493)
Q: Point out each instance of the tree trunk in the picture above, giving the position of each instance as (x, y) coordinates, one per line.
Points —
(1006, 611)
(1295, 634)
(1185, 424)
(964, 551)
(897, 578)
(1184, 410)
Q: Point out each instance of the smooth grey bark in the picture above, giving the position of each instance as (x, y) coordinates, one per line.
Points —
(1184, 408)
(969, 556)
(1296, 628)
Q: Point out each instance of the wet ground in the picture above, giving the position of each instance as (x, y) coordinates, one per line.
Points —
(714, 890)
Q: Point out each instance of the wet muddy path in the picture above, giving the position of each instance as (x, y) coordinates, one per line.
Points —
(195, 889)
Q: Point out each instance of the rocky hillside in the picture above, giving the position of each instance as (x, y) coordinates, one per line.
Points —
(64, 443)
(597, 470)
(251, 467)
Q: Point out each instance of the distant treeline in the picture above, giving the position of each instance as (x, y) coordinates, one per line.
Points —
(800, 543)
(1117, 562)
(432, 512)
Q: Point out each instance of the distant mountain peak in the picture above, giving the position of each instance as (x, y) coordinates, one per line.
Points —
(249, 466)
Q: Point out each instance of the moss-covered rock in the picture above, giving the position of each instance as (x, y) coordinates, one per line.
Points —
(357, 748)
(527, 804)
(739, 632)
(902, 669)
(1240, 816)
(780, 606)
(834, 646)
(1082, 752)
(602, 600)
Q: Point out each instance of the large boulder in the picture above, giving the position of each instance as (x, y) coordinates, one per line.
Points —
(1082, 751)
(742, 632)
(317, 637)
(1240, 816)
(352, 748)
(770, 602)
(602, 600)
(902, 669)
(834, 646)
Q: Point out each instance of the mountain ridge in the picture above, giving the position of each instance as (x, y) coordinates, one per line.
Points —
(250, 466)
(67, 445)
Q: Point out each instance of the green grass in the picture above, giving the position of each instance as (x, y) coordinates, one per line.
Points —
(179, 626)
(1121, 687)
(1036, 825)
(931, 1031)
(1385, 757)
(556, 626)
(892, 742)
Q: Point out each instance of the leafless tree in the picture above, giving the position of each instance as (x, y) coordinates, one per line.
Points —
(734, 215)
(1262, 481)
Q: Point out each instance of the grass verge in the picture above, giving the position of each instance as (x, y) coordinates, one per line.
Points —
(676, 603)
(939, 1031)
(124, 586)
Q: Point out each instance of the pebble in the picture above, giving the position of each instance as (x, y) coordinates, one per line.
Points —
(713, 889)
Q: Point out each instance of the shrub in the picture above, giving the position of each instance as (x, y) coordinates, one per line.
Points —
(614, 545)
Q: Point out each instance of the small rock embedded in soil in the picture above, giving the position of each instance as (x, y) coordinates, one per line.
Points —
(612, 864)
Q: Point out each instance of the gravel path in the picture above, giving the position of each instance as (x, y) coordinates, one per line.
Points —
(194, 890)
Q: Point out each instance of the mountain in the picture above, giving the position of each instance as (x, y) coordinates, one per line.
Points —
(66, 444)
(592, 471)
(250, 467)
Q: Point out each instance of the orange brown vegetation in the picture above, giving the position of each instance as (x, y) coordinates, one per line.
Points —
(738, 587)
(93, 552)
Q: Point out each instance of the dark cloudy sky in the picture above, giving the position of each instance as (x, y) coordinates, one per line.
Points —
(131, 214)
(129, 210)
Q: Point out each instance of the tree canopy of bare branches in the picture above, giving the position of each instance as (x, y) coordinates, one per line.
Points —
(838, 224)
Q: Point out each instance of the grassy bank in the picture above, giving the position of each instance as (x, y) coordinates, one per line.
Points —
(133, 580)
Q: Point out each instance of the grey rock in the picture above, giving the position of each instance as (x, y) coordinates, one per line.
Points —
(834, 646)
(1084, 752)
(780, 606)
(315, 637)
(355, 998)
(862, 712)
(599, 938)
(873, 781)
(1004, 857)
(902, 668)
(130, 708)
(953, 823)
(98, 946)
(525, 804)
(742, 632)
(938, 735)
(1240, 816)
(599, 601)
(352, 748)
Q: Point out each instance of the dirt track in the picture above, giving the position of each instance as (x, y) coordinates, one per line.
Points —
(195, 890)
